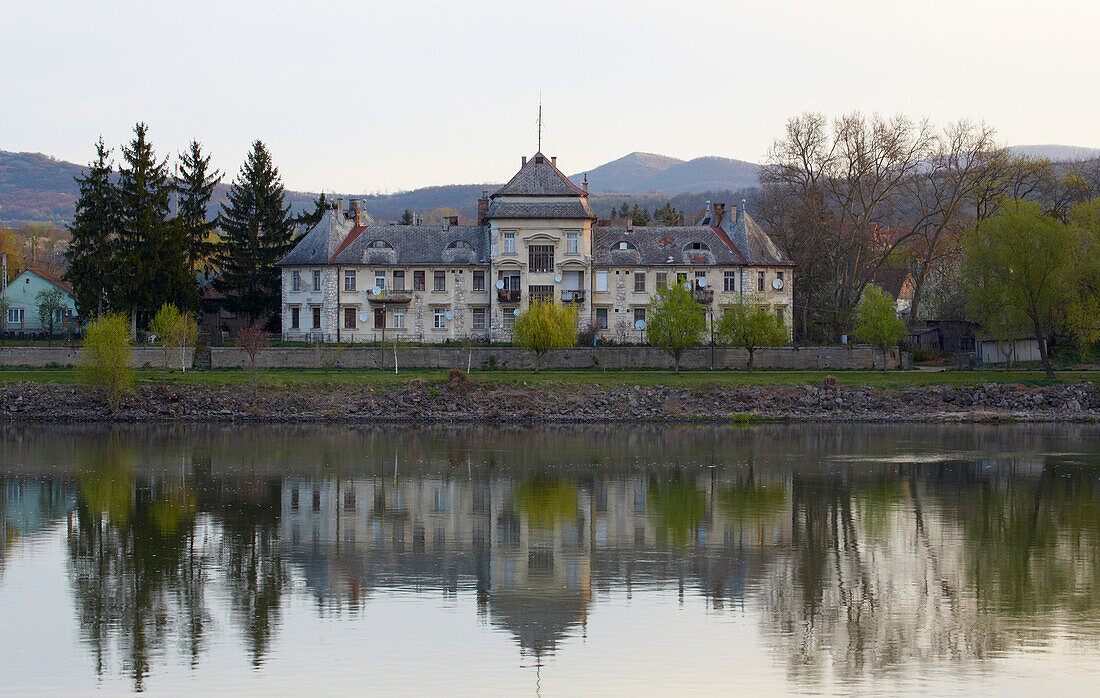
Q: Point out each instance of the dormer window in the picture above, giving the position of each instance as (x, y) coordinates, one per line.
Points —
(380, 245)
(696, 247)
(624, 246)
(460, 245)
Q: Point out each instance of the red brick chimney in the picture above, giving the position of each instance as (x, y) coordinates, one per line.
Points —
(719, 212)
(483, 208)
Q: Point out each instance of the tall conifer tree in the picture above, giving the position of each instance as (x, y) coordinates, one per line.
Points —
(152, 250)
(258, 232)
(195, 186)
(94, 231)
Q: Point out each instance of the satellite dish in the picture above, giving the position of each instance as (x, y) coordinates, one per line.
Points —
(516, 312)
(702, 281)
(500, 284)
(558, 278)
(377, 290)
(363, 317)
(450, 314)
(639, 325)
(687, 285)
(777, 284)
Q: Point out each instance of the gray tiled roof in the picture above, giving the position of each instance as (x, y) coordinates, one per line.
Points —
(539, 177)
(749, 239)
(577, 208)
(321, 241)
(416, 244)
(661, 246)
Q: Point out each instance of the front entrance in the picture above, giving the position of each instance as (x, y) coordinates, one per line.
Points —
(379, 318)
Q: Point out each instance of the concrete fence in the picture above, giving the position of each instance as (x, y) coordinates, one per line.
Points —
(834, 358)
(69, 356)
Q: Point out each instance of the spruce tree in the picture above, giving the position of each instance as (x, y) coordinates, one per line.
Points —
(195, 185)
(152, 250)
(257, 232)
(94, 232)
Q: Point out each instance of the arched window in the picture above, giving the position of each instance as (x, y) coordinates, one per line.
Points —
(696, 247)
(460, 245)
(623, 246)
(380, 245)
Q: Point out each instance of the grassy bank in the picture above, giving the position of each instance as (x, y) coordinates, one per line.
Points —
(687, 379)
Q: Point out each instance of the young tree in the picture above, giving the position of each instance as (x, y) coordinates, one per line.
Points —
(51, 303)
(252, 340)
(258, 232)
(750, 325)
(1083, 306)
(675, 321)
(546, 325)
(877, 321)
(151, 267)
(5, 306)
(195, 183)
(407, 217)
(94, 230)
(164, 326)
(1025, 258)
(667, 215)
(13, 248)
(184, 334)
(107, 356)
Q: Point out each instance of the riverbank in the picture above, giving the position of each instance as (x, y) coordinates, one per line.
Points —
(462, 400)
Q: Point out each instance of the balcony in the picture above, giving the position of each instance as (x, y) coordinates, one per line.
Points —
(572, 296)
(703, 295)
(389, 297)
(505, 295)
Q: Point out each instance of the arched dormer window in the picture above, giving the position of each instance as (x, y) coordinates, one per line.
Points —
(696, 247)
(460, 245)
(379, 245)
(623, 246)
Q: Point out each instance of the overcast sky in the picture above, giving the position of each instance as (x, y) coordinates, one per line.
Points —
(357, 97)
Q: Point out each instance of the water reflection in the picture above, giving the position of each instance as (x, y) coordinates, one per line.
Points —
(860, 549)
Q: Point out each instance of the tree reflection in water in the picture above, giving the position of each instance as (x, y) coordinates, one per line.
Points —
(854, 567)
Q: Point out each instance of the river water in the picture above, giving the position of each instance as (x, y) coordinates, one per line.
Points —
(861, 559)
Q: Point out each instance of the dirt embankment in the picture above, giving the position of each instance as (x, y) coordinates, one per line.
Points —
(463, 400)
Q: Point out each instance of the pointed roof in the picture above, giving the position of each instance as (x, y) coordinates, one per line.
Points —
(539, 177)
(321, 242)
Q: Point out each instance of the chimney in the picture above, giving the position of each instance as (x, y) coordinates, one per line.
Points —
(446, 223)
(719, 211)
(483, 208)
(523, 163)
(453, 220)
(554, 160)
(743, 212)
(340, 204)
(356, 212)
(586, 184)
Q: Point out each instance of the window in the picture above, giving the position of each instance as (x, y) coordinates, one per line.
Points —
(511, 282)
(509, 320)
(380, 318)
(544, 294)
(440, 281)
(699, 275)
(623, 245)
(696, 246)
(349, 280)
(601, 280)
(479, 281)
(295, 280)
(478, 317)
(380, 245)
(509, 243)
(316, 280)
(639, 282)
(601, 318)
(295, 319)
(662, 279)
(398, 280)
(15, 316)
(399, 319)
(572, 243)
(349, 318)
(760, 281)
(541, 258)
(316, 318)
(681, 277)
(460, 245)
(439, 316)
(639, 316)
(779, 314)
(418, 280)
(380, 279)
(730, 281)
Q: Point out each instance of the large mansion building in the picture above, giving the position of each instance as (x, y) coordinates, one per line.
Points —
(350, 280)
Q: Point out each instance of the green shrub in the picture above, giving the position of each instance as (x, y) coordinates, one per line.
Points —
(106, 360)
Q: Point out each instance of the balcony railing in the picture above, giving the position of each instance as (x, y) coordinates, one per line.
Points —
(505, 295)
(389, 297)
(575, 296)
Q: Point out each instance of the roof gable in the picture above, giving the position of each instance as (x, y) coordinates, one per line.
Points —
(539, 177)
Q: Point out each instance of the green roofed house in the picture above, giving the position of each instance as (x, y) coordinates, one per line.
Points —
(22, 294)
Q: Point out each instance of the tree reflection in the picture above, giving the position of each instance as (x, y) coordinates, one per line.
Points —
(678, 505)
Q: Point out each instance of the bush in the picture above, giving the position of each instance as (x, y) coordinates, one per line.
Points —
(545, 326)
(107, 356)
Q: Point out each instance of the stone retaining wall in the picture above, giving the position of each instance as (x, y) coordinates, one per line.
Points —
(828, 358)
(41, 357)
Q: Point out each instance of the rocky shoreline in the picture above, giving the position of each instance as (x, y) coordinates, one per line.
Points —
(461, 400)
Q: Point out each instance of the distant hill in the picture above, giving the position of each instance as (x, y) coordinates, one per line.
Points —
(1056, 153)
(645, 173)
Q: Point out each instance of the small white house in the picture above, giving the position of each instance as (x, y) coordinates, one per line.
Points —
(22, 294)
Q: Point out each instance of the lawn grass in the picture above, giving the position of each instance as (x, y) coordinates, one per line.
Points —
(687, 379)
